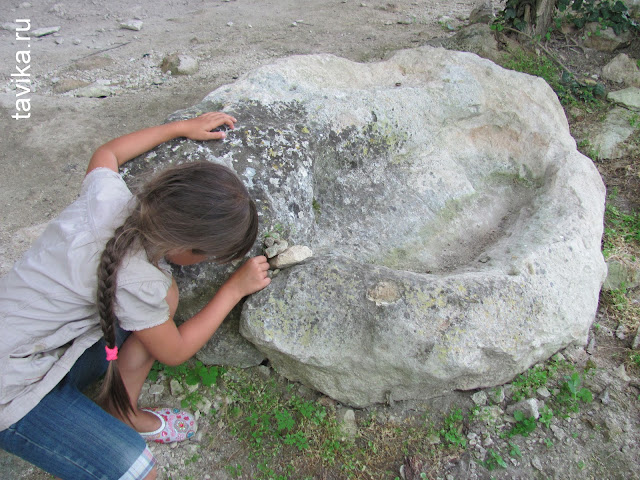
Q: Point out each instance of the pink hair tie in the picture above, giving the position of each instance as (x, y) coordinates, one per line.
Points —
(112, 353)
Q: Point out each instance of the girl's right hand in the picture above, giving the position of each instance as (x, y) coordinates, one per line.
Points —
(251, 277)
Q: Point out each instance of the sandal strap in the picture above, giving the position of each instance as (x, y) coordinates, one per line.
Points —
(163, 424)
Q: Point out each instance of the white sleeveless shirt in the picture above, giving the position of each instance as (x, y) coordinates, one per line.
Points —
(48, 313)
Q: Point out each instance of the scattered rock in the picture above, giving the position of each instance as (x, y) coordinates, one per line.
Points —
(577, 355)
(179, 64)
(622, 273)
(477, 38)
(605, 40)
(95, 91)
(622, 69)
(536, 463)
(156, 389)
(41, 32)
(609, 142)
(629, 97)
(10, 26)
(479, 398)
(348, 425)
(497, 395)
(68, 84)
(264, 372)
(133, 24)
(621, 373)
(482, 13)
(543, 392)
(92, 62)
(176, 387)
(528, 407)
(636, 341)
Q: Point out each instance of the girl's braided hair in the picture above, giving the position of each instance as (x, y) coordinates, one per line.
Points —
(200, 206)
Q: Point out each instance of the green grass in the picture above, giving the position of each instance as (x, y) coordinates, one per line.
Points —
(568, 90)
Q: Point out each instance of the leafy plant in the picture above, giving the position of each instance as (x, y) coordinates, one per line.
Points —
(524, 425)
(546, 414)
(622, 224)
(571, 393)
(493, 460)
(563, 83)
(528, 382)
(451, 432)
(515, 450)
(606, 13)
(189, 373)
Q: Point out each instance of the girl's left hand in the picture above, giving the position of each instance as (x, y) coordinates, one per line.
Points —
(199, 128)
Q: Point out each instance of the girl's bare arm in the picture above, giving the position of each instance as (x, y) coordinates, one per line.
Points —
(174, 345)
(122, 149)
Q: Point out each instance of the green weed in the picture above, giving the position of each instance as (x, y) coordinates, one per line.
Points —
(525, 384)
(564, 84)
(524, 425)
(572, 394)
(546, 415)
(515, 450)
(451, 432)
(493, 460)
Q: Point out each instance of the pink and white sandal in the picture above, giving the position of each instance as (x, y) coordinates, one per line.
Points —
(175, 425)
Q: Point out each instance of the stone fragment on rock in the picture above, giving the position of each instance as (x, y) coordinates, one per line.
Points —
(276, 249)
(291, 256)
(133, 24)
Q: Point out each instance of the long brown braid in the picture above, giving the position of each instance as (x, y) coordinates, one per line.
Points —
(200, 206)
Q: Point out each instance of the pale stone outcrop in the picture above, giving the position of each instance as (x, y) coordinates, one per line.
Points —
(455, 227)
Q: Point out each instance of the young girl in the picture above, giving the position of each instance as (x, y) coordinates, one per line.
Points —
(98, 273)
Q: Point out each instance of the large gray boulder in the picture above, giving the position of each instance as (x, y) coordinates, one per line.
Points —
(455, 227)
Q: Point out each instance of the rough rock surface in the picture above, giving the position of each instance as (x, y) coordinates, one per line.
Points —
(450, 225)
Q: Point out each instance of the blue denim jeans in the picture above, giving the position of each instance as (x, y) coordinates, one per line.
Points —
(71, 437)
